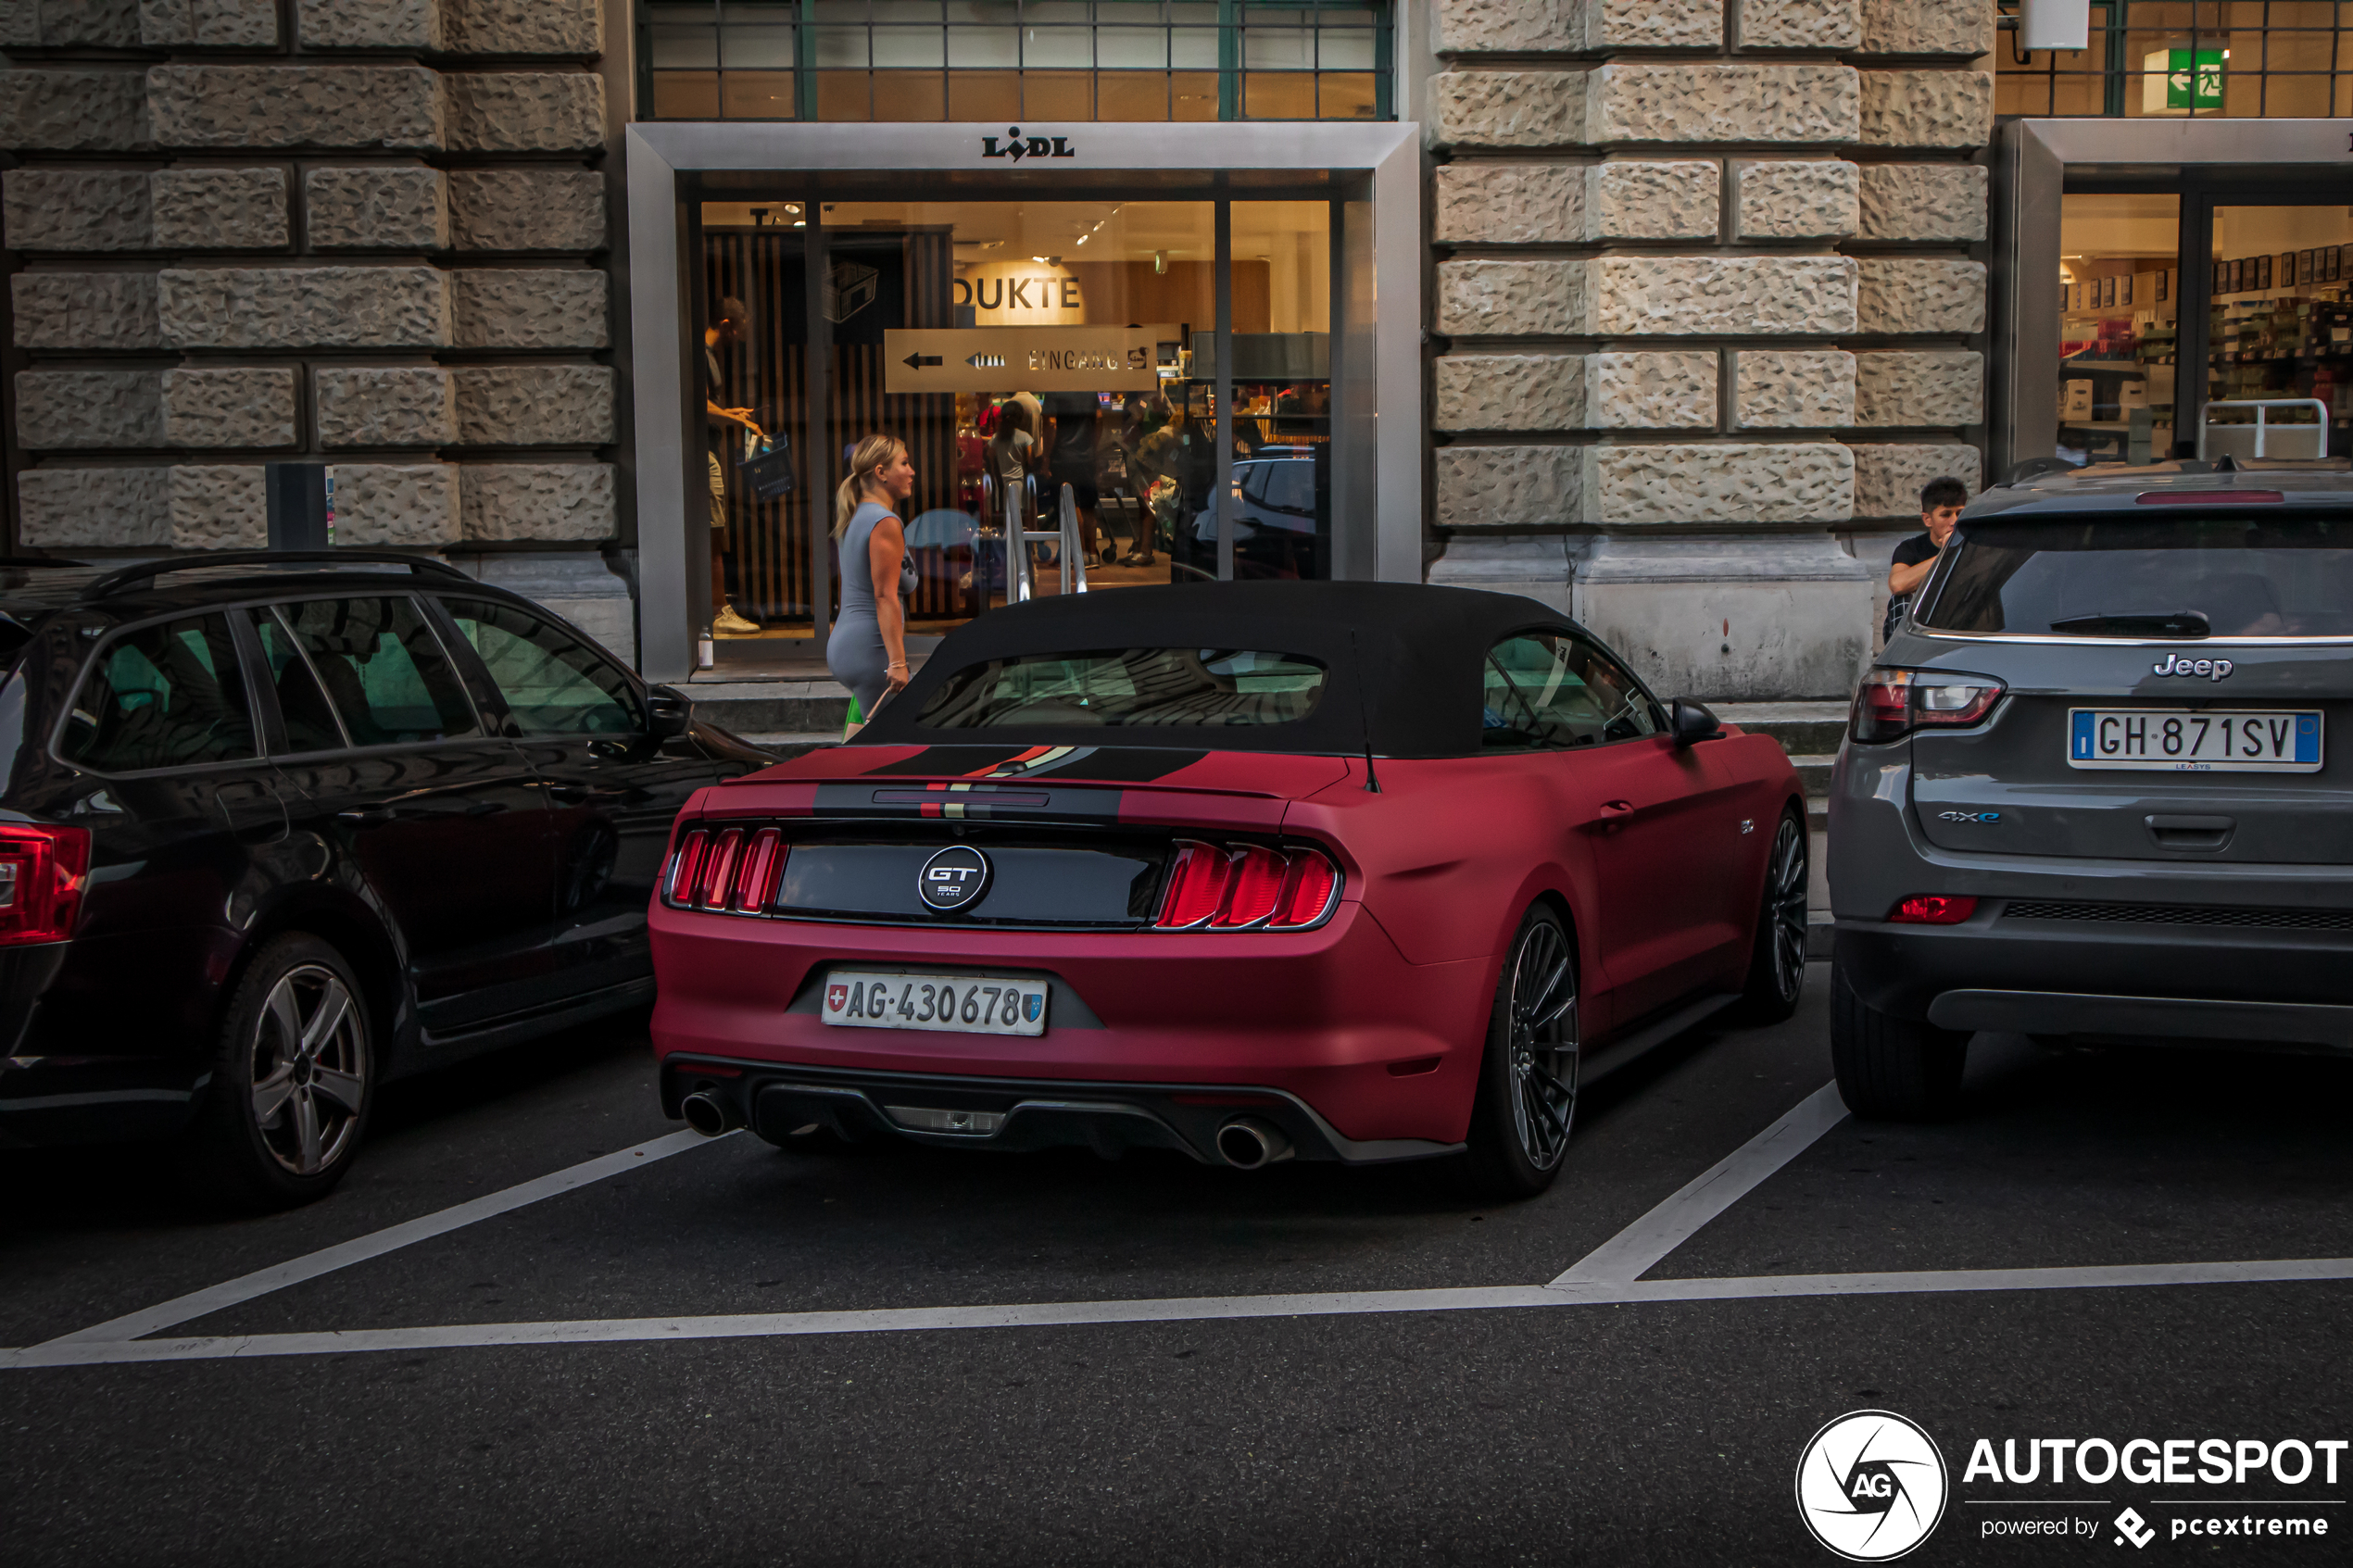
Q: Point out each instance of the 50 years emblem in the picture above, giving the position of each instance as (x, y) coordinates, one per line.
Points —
(953, 879)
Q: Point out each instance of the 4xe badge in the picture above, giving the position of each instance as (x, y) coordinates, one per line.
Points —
(1871, 1486)
(1017, 146)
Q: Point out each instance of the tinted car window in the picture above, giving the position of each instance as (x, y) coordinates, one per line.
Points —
(161, 696)
(1551, 689)
(2264, 577)
(1172, 687)
(554, 683)
(309, 717)
(384, 669)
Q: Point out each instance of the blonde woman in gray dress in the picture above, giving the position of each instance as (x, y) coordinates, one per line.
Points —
(868, 649)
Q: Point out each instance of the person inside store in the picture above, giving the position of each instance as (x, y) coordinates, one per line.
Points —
(729, 324)
(1012, 458)
(1072, 425)
(1941, 504)
(867, 652)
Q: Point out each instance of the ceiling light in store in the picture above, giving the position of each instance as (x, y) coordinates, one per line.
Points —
(1084, 238)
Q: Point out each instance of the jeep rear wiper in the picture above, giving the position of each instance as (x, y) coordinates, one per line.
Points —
(2151, 623)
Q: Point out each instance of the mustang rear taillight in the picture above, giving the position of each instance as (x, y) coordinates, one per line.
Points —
(732, 871)
(1893, 703)
(43, 870)
(1247, 887)
(1933, 908)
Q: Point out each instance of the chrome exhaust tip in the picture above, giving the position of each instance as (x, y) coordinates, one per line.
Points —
(1248, 1144)
(708, 1114)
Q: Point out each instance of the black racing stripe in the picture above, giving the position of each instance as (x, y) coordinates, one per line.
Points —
(1111, 764)
(950, 761)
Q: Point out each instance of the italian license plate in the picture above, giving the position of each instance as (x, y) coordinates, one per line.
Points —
(960, 1004)
(2169, 740)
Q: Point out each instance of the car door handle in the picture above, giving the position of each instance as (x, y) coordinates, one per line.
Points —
(1617, 809)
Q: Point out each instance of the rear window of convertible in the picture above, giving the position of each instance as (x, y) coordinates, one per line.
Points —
(2261, 577)
(1142, 688)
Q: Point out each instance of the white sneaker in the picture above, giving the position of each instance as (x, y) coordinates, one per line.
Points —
(728, 623)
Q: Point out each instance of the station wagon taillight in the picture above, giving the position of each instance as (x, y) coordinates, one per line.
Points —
(43, 870)
(1246, 887)
(1892, 703)
(735, 870)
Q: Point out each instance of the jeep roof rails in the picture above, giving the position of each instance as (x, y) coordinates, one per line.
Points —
(115, 582)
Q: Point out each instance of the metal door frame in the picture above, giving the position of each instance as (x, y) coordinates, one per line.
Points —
(1384, 542)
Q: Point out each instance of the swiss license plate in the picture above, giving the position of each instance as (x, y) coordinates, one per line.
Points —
(2174, 740)
(961, 1004)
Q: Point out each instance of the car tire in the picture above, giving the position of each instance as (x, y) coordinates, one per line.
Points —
(294, 1078)
(1527, 1101)
(1776, 956)
(1892, 1069)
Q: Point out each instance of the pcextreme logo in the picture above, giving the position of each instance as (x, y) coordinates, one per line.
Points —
(1871, 1486)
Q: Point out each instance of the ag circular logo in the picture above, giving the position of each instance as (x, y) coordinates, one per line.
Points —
(1871, 1486)
(953, 879)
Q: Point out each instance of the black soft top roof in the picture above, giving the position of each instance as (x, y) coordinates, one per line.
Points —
(1404, 660)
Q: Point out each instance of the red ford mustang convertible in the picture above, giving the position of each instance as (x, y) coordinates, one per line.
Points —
(1255, 870)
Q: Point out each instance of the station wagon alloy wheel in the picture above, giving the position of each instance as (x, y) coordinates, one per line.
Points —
(309, 1069)
(1543, 1053)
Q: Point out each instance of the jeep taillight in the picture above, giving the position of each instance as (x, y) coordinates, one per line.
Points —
(42, 872)
(1933, 908)
(1892, 703)
(736, 870)
(1247, 887)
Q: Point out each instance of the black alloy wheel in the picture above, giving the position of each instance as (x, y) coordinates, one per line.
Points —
(1777, 959)
(293, 1080)
(1527, 1103)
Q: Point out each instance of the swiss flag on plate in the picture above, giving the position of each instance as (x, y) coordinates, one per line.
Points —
(835, 997)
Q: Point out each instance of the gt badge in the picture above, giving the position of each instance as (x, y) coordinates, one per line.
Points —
(953, 879)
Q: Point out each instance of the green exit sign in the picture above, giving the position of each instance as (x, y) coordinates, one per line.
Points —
(2193, 79)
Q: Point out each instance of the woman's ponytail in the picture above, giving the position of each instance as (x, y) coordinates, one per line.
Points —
(874, 454)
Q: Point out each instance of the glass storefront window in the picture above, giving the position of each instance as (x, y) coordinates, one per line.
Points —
(2280, 330)
(2120, 288)
(2188, 58)
(1025, 351)
(929, 60)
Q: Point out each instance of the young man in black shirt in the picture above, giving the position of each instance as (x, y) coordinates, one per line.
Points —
(1941, 504)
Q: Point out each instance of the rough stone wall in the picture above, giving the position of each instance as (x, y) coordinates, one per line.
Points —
(1720, 254)
(244, 230)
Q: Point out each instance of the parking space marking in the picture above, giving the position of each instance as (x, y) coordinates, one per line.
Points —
(1058, 1314)
(1638, 1248)
(261, 1282)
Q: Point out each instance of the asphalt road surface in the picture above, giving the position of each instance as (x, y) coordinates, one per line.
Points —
(716, 1353)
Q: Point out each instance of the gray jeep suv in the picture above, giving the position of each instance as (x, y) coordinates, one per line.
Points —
(2089, 789)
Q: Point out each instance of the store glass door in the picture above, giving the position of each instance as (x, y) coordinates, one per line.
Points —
(2278, 352)
(1031, 352)
(2119, 316)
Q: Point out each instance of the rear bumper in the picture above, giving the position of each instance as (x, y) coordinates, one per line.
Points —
(1332, 1020)
(2086, 977)
(48, 1101)
(1012, 1115)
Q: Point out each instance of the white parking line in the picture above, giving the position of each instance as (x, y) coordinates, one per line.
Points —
(261, 1282)
(904, 1320)
(1633, 1251)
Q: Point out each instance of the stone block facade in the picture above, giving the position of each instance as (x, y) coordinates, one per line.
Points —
(245, 231)
(1705, 299)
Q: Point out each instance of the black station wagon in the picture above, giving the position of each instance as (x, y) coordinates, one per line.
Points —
(277, 828)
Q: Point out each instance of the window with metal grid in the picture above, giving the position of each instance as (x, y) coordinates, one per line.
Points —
(1014, 59)
(2179, 59)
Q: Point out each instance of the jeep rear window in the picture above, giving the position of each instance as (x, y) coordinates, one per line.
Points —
(1208, 688)
(2278, 576)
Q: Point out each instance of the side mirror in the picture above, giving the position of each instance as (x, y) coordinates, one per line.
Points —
(668, 713)
(1690, 722)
